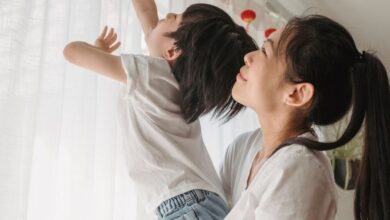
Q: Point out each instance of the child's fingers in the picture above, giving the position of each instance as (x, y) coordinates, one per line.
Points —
(109, 35)
(112, 40)
(104, 32)
(115, 46)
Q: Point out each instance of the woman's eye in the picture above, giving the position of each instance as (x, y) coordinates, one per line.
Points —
(263, 50)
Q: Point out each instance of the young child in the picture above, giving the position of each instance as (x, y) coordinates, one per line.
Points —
(193, 63)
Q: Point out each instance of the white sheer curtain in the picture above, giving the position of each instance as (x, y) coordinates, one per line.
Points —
(59, 142)
(60, 150)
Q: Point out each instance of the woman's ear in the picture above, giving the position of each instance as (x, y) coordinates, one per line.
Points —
(172, 54)
(300, 95)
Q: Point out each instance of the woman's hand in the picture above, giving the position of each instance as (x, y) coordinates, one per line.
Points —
(105, 42)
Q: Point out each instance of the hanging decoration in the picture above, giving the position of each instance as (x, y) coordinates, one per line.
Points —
(268, 32)
(248, 16)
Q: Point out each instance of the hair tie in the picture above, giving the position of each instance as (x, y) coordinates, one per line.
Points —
(361, 57)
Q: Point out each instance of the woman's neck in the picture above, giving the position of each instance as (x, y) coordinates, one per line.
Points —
(275, 131)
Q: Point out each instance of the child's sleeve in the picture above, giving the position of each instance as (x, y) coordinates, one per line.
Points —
(150, 82)
(134, 68)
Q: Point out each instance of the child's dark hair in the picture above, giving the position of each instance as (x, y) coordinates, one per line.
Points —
(213, 48)
(322, 52)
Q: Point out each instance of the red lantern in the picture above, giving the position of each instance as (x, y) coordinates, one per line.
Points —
(248, 16)
(268, 32)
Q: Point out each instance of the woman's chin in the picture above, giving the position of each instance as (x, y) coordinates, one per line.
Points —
(236, 95)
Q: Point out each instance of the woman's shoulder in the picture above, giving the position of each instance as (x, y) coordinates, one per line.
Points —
(249, 136)
(239, 150)
(299, 160)
(244, 142)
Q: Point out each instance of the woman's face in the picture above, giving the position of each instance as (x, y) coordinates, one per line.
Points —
(261, 82)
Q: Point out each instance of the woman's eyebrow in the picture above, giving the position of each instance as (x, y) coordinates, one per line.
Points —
(271, 42)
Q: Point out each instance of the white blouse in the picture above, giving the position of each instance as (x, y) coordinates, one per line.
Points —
(295, 183)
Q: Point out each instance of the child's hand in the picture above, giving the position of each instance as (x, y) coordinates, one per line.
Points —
(105, 41)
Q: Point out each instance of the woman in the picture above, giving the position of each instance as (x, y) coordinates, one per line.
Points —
(309, 73)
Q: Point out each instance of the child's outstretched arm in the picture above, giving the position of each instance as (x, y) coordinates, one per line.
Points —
(147, 14)
(98, 57)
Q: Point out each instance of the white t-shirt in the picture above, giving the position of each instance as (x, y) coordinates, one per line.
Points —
(165, 156)
(294, 184)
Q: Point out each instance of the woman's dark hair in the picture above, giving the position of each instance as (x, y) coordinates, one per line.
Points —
(322, 52)
(213, 49)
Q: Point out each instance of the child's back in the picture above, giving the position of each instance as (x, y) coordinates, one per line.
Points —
(165, 154)
(195, 59)
(165, 150)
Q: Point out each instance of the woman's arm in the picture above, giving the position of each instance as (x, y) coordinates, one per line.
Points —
(226, 174)
(97, 58)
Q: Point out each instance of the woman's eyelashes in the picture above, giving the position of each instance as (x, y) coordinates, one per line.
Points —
(263, 50)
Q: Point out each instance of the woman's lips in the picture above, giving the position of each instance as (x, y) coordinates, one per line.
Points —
(241, 77)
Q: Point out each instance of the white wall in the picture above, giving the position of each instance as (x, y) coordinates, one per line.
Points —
(368, 21)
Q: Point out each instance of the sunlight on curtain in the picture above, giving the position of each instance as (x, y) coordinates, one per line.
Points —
(60, 150)
(59, 146)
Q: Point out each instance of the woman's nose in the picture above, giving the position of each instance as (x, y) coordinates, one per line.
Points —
(248, 58)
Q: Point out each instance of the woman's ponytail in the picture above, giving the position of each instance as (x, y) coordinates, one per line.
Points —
(322, 52)
(372, 199)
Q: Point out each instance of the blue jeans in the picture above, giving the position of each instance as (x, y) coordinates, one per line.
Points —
(193, 205)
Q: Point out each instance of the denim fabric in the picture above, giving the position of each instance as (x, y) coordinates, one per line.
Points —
(193, 205)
